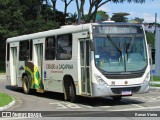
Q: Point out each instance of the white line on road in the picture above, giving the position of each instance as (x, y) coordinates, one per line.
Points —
(137, 105)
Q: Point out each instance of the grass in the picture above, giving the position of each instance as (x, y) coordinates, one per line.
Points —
(155, 85)
(156, 78)
(5, 99)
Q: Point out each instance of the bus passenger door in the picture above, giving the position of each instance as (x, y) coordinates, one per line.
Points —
(85, 66)
(13, 65)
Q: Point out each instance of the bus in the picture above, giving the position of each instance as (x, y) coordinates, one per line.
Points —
(92, 60)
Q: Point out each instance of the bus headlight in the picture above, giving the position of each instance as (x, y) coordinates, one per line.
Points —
(100, 80)
(146, 80)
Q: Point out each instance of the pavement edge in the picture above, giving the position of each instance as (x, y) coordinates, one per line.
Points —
(9, 105)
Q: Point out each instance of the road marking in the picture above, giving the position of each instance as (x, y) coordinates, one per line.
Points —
(59, 105)
(87, 106)
(137, 105)
(74, 106)
(155, 99)
(131, 109)
(63, 105)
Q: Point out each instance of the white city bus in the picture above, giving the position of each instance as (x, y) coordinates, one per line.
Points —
(93, 60)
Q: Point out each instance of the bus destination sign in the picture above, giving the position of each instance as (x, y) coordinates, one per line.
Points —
(114, 30)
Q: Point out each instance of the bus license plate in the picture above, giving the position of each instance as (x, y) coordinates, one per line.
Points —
(126, 92)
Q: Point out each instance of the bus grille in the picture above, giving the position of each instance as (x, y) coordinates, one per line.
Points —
(119, 90)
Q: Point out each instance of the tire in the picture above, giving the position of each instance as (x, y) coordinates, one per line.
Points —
(26, 85)
(70, 92)
(117, 98)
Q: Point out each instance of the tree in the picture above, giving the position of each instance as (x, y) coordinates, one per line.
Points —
(18, 17)
(139, 20)
(102, 16)
(119, 17)
(66, 4)
(94, 5)
(54, 8)
(11, 24)
(72, 19)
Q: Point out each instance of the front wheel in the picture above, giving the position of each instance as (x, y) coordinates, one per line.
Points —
(25, 84)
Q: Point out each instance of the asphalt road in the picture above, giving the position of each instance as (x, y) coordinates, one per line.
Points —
(51, 101)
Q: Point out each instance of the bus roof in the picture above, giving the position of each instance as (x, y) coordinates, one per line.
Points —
(62, 30)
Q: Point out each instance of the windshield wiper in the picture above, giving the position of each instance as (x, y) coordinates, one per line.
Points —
(118, 49)
(114, 44)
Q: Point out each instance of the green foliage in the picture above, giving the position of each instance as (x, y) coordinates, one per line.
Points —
(150, 38)
(156, 78)
(72, 18)
(120, 17)
(139, 20)
(102, 16)
(18, 17)
(155, 85)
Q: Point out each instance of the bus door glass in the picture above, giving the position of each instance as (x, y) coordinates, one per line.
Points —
(13, 65)
(85, 66)
(39, 58)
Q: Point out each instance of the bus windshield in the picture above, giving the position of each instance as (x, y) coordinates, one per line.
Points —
(120, 52)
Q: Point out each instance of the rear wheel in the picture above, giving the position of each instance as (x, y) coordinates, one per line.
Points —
(70, 92)
(25, 85)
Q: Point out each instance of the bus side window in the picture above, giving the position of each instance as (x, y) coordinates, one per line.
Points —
(64, 47)
(50, 48)
(24, 50)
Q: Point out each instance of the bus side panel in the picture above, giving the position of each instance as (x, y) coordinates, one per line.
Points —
(54, 73)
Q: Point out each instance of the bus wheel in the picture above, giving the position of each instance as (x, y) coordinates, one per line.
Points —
(26, 84)
(70, 92)
(117, 98)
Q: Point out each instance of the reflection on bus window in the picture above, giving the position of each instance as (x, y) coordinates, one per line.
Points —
(24, 50)
(64, 47)
(50, 48)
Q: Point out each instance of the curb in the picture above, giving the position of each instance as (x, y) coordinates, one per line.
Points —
(8, 106)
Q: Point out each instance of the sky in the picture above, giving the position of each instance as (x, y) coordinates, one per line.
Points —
(146, 10)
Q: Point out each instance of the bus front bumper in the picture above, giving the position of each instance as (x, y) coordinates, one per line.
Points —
(98, 90)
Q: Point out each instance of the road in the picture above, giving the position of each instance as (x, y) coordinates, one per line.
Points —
(51, 101)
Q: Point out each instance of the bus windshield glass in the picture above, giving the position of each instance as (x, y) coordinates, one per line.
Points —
(120, 50)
